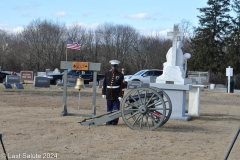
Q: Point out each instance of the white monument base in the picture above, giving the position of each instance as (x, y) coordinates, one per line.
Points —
(172, 75)
(194, 100)
(177, 94)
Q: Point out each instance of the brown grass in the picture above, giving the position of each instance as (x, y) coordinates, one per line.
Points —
(31, 124)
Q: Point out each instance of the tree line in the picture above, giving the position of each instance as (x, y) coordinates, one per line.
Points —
(42, 44)
(214, 44)
(216, 41)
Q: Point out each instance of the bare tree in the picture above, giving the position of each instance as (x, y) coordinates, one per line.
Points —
(115, 42)
(42, 45)
(186, 27)
(43, 41)
(4, 47)
(149, 52)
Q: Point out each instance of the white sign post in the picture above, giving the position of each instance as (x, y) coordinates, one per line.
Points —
(229, 73)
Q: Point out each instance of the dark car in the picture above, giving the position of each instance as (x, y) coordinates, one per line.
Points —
(86, 75)
(3, 76)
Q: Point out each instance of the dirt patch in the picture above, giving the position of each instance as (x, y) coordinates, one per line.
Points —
(33, 128)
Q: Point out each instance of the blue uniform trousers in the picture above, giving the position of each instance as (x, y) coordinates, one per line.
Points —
(113, 105)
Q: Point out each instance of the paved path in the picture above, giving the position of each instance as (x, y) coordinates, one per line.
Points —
(221, 90)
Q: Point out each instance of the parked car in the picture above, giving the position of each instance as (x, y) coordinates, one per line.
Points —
(3, 76)
(86, 75)
(143, 75)
(126, 77)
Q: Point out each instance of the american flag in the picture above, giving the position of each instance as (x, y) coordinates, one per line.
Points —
(73, 45)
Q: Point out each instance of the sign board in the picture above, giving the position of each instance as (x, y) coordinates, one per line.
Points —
(80, 66)
(26, 75)
(229, 71)
(91, 66)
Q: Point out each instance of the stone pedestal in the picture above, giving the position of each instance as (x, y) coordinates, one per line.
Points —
(172, 75)
(177, 94)
(194, 100)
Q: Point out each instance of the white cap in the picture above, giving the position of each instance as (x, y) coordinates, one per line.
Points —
(114, 62)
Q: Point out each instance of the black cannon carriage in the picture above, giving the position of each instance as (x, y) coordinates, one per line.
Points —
(141, 109)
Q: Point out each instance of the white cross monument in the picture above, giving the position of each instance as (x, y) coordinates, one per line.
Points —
(175, 34)
(172, 81)
(173, 70)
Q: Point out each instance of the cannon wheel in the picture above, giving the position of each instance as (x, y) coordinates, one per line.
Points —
(138, 114)
(168, 104)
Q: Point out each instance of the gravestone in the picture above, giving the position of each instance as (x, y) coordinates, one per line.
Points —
(18, 86)
(48, 71)
(12, 79)
(43, 82)
(90, 84)
(59, 84)
(7, 85)
(100, 84)
(71, 80)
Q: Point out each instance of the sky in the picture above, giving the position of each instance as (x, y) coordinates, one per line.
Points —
(146, 16)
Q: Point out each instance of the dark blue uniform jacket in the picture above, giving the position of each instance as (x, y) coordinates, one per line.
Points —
(113, 83)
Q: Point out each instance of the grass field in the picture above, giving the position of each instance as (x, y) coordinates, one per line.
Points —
(31, 125)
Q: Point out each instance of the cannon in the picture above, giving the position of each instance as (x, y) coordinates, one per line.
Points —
(141, 109)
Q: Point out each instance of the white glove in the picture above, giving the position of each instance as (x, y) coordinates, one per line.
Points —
(119, 98)
(103, 96)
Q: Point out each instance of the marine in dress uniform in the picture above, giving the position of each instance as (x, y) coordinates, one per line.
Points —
(112, 89)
